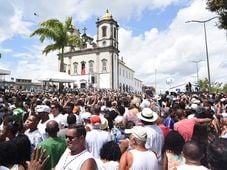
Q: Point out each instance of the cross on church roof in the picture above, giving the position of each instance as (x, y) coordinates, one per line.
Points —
(84, 29)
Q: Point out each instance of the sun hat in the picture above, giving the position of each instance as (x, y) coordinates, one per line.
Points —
(104, 123)
(138, 132)
(147, 115)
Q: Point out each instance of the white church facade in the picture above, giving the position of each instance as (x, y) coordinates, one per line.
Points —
(97, 64)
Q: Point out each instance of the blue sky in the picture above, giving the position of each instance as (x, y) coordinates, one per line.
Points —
(153, 31)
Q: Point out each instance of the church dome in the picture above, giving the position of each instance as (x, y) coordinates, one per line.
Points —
(107, 16)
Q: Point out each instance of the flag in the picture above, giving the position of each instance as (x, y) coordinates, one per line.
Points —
(83, 71)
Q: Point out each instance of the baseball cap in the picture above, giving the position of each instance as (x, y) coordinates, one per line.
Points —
(85, 115)
(138, 132)
(95, 119)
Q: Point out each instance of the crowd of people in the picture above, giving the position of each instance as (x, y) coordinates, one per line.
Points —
(106, 129)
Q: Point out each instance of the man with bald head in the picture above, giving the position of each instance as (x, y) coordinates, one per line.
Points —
(54, 145)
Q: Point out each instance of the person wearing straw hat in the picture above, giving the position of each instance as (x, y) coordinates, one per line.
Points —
(155, 137)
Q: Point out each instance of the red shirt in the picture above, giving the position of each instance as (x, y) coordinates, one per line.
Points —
(185, 127)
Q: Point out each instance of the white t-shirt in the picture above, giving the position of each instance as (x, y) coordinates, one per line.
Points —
(42, 127)
(191, 167)
(69, 162)
(35, 137)
(110, 165)
(95, 140)
(3, 168)
(155, 140)
(61, 119)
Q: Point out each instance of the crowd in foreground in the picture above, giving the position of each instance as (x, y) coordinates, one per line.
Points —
(109, 130)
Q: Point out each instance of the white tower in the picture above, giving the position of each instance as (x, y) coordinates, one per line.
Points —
(107, 31)
(107, 41)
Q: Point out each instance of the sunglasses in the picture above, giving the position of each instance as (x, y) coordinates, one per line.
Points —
(71, 137)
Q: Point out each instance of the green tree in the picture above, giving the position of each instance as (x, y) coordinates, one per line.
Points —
(60, 35)
(219, 7)
(224, 89)
(203, 84)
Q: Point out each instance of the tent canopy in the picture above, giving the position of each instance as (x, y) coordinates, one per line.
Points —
(4, 72)
(59, 77)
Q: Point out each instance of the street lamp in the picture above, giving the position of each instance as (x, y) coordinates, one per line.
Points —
(197, 70)
(204, 27)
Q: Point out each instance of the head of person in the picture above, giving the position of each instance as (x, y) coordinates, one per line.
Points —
(95, 121)
(200, 133)
(110, 151)
(52, 128)
(75, 137)
(76, 109)
(206, 105)
(8, 153)
(138, 136)
(85, 117)
(12, 125)
(23, 148)
(147, 116)
(42, 111)
(68, 108)
(217, 154)
(31, 122)
(135, 103)
(174, 142)
(129, 124)
(96, 109)
(71, 119)
(55, 108)
(192, 151)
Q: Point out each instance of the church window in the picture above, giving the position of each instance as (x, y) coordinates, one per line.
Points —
(104, 28)
(104, 65)
(82, 68)
(104, 43)
(65, 66)
(91, 66)
(114, 33)
(75, 65)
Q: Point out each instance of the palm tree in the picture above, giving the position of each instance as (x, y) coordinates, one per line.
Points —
(60, 34)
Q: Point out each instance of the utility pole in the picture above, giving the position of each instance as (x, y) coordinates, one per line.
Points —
(205, 35)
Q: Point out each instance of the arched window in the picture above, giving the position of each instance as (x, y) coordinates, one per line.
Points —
(91, 66)
(104, 28)
(75, 65)
(83, 68)
(104, 65)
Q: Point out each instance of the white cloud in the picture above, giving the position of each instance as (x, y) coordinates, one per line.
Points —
(171, 51)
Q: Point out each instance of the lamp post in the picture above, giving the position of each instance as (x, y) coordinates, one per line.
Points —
(197, 69)
(207, 55)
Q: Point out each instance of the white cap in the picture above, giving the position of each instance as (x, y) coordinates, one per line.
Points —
(138, 132)
(42, 108)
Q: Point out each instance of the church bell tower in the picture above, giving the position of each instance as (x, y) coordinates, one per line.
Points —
(107, 31)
